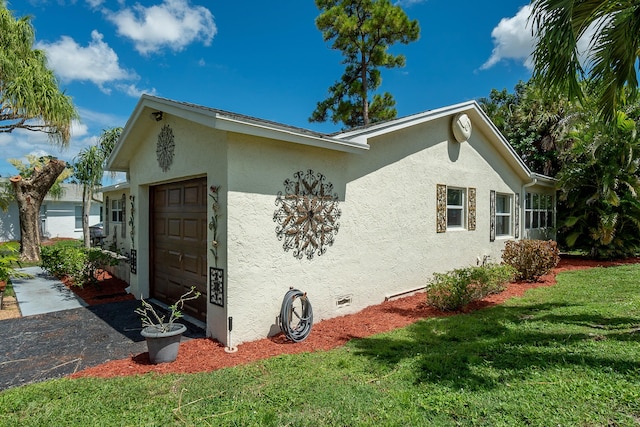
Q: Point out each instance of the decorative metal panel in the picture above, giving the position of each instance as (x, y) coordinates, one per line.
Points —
(124, 215)
(106, 217)
(471, 225)
(307, 214)
(165, 148)
(216, 286)
(492, 216)
(441, 208)
(516, 216)
(132, 224)
(133, 261)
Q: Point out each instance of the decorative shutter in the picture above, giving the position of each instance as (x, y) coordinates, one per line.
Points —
(516, 216)
(441, 208)
(124, 217)
(107, 217)
(492, 216)
(471, 208)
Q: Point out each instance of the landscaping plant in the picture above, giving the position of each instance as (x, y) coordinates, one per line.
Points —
(454, 289)
(78, 263)
(531, 258)
(150, 316)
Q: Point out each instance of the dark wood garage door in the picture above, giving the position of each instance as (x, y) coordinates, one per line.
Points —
(179, 243)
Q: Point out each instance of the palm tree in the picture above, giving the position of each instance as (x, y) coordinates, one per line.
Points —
(599, 188)
(31, 100)
(88, 169)
(612, 57)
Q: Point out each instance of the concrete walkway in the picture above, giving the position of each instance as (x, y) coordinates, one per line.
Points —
(43, 293)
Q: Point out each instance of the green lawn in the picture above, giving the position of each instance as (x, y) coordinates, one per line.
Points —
(568, 355)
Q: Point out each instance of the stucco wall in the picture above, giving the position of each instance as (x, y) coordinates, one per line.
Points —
(199, 151)
(387, 241)
(59, 220)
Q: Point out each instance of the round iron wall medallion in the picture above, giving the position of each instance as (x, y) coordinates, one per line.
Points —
(307, 215)
(165, 148)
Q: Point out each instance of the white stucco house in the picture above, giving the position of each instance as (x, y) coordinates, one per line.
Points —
(58, 217)
(244, 208)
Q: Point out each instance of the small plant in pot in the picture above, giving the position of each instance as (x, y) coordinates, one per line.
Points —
(163, 336)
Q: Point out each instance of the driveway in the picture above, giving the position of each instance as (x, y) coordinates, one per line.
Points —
(55, 344)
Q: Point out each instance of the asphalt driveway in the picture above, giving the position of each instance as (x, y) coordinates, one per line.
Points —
(53, 345)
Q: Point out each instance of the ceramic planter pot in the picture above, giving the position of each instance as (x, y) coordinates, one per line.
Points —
(163, 346)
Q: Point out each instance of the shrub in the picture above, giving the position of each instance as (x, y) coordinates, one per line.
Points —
(78, 263)
(531, 258)
(457, 288)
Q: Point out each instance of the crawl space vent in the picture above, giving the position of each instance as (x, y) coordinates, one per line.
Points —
(343, 301)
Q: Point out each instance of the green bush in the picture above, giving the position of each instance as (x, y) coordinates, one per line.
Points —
(457, 288)
(78, 263)
(9, 259)
(531, 258)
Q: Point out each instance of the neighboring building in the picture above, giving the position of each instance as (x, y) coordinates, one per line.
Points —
(244, 208)
(58, 218)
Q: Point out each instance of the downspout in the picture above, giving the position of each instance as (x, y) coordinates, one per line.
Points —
(523, 211)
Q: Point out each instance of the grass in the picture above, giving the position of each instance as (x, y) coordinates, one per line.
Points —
(567, 355)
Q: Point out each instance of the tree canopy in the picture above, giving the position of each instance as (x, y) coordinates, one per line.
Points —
(363, 30)
(29, 95)
(611, 63)
(88, 170)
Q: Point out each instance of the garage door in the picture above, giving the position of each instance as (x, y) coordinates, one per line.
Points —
(179, 243)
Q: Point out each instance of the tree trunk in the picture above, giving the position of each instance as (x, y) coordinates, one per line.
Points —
(365, 89)
(87, 194)
(29, 196)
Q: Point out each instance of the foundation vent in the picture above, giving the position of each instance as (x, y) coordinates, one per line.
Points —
(344, 301)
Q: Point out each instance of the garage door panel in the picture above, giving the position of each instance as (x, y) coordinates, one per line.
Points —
(174, 197)
(179, 241)
(190, 228)
(174, 227)
(192, 195)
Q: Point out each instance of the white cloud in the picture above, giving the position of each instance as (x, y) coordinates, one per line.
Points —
(97, 62)
(409, 3)
(512, 39)
(134, 91)
(173, 25)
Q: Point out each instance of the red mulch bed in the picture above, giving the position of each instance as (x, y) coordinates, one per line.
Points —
(201, 355)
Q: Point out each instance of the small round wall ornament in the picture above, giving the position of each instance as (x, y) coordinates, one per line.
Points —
(461, 127)
(307, 214)
(165, 148)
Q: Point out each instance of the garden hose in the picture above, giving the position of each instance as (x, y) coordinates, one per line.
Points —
(296, 326)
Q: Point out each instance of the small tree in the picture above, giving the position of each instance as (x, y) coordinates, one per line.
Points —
(88, 169)
(30, 187)
(31, 100)
(362, 30)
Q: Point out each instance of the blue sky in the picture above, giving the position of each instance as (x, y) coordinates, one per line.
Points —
(259, 58)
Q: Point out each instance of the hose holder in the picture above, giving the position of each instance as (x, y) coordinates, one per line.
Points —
(296, 315)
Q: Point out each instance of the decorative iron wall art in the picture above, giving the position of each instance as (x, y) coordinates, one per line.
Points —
(132, 227)
(492, 215)
(213, 223)
(441, 208)
(216, 286)
(307, 214)
(133, 261)
(471, 225)
(165, 148)
(516, 216)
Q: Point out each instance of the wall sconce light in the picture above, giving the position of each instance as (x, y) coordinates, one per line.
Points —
(157, 115)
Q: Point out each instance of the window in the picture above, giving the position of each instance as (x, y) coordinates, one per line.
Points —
(538, 211)
(78, 217)
(503, 215)
(455, 208)
(116, 210)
